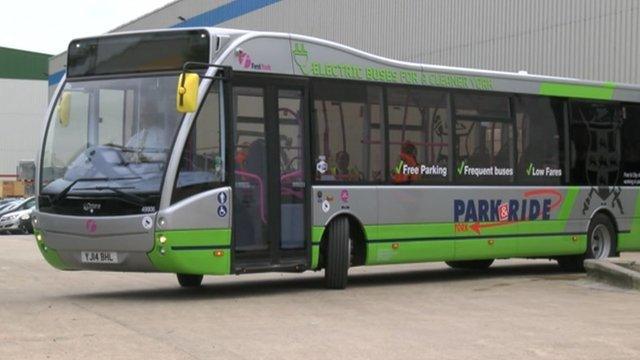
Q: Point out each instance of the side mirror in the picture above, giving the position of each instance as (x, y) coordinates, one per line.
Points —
(64, 109)
(187, 92)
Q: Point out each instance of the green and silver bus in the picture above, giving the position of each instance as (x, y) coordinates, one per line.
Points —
(210, 151)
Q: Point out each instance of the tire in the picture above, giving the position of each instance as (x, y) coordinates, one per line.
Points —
(189, 281)
(601, 244)
(337, 255)
(470, 264)
(601, 239)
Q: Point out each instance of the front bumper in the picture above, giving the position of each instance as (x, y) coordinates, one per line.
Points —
(68, 236)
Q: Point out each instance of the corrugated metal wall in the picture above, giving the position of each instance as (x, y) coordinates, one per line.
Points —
(589, 39)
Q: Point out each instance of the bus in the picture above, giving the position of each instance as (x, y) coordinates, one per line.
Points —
(211, 151)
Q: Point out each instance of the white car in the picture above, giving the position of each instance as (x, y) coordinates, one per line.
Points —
(11, 221)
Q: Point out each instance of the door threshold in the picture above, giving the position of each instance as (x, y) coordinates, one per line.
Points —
(260, 267)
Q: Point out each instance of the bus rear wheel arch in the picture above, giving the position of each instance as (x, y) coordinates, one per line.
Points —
(602, 241)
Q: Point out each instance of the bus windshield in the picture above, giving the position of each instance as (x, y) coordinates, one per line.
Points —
(111, 138)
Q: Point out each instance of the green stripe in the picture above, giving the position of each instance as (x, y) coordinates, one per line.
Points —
(379, 253)
(315, 256)
(192, 251)
(472, 237)
(200, 237)
(567, 204)
(316, 234)
(49, 254)
(204, 247)
(419, 251)
(603, 92)
(631, 241)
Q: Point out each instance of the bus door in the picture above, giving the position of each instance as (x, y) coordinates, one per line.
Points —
(270, 211)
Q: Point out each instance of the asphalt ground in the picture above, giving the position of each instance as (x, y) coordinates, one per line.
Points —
(520, 309)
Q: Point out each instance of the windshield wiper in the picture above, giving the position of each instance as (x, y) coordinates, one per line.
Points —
(62, 194)
(124, 148)
(128, 197)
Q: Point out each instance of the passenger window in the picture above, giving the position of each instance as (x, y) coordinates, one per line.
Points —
(418, 136)
(347, 132)
(540, 140)
(483, 139)
(201, 164)
(596, 152)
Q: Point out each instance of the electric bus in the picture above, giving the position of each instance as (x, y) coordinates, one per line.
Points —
(211, 151)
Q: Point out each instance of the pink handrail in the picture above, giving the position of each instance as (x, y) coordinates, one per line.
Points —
(261, 191)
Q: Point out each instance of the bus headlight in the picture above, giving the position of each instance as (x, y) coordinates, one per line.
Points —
(39, 237)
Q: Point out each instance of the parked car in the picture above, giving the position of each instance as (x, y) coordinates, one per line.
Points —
(7, 200)
(10, 220)
(8, 204)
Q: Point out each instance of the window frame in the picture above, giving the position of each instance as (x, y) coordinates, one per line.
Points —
(448, 97)
(569, 104)
(313, 130)
(563, 141)
(222, 112)
(510, 119)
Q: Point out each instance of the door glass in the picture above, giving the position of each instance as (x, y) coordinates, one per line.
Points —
(250, 151)
(291, 169)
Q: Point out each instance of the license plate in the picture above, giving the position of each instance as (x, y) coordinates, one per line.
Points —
(99, 257)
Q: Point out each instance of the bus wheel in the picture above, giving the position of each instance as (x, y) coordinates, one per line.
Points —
(470, 264)
(189, 281)
(337, 254)
(601, 243)
(601, 238)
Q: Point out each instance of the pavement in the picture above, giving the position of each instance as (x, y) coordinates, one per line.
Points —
(520, 309)
(617, 272)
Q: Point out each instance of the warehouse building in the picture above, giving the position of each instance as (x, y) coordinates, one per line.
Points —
(587, 39)
(23, 102)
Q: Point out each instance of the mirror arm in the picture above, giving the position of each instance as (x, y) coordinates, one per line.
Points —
(224, 74)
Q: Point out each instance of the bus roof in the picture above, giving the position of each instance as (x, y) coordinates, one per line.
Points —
(294, 54)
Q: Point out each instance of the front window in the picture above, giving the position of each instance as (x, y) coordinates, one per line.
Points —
(109, 140)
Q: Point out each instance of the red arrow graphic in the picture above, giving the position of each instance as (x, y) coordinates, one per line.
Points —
(475, 227)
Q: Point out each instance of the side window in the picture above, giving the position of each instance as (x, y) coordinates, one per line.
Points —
(418, 136)
(540, 140)
(483, 139)
(596, 151)
(347, 132)
(631, 146)
(201, 164)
